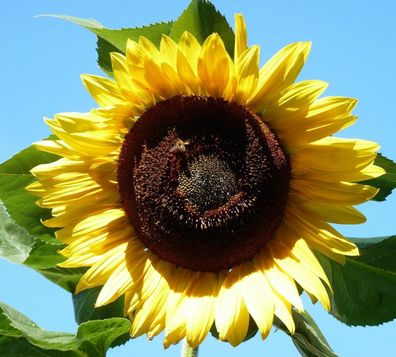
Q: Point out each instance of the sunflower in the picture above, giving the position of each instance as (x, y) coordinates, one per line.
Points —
(201, 186)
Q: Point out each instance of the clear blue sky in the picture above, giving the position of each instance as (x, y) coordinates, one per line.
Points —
(41, 61)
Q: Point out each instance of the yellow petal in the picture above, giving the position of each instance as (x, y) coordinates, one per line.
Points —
(187, 61)
(72, 212)
(176, 308)
(258, 297)
(278, 73)
(283, 310)
(301, 251)
(137, 97)
(199, 301)
(121, 279)
(240, 36)
(121, 72)
(135, 60)
(151, 312)
(341, 193)
(231, 314)
(57, 147)
(308, 280)
(72, 188)
(334, 154)
(157, 80)
(334, 213)
(214, 66)
(102, 269)
(94, 225)
(100, 140)
(150, 49)
(247, 73)
(168, 49)
(313, 230)
(297, 97)
(103, 90)
(57, 167)
(83, 260)
(280, 282)
(323, 117)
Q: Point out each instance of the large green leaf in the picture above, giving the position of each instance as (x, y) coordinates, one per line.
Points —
(386, 183)
(110, 40)
(202, 19)
(20, 336)
(116, 40)
(365, 287)
(14, 177)
(23, 238)
(84, 307)
(308, 338)
(15, 242)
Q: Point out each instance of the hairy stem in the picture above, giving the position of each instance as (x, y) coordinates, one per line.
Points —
(188, 351)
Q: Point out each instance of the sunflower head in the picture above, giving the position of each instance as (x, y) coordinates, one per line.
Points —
(201, 186)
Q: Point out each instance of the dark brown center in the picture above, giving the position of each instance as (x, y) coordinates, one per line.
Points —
(204, 182)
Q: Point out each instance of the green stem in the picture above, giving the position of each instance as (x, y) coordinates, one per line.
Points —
(188, 351)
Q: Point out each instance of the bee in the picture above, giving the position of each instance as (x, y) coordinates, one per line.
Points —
(180, 146)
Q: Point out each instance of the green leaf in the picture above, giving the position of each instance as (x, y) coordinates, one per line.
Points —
(44, 255)
(65, 278)
(366, 242)
(87, 23)
(17, 347)
(201, 19)
(308, 338)
(23, 238)
(14, 177)
(387, 182)
(116, 40)
(20, 336)
(365, 287)
(84, 306)
(15, 242)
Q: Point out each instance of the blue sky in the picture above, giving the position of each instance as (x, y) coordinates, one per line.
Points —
(42, 59)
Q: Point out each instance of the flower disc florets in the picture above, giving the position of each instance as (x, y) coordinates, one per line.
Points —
(204, 181)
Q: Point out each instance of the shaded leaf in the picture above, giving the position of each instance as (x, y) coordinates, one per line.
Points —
(15, 242)
(201, 19)
(44, 255)
(116, 40)
(308, 338)
(386, 183)
(366, 242)
(381, 253)
(110, 40)
(37, 246)
(365, 287)
(17, 347)
(65, 278)
(44, 258)
(14, 177)
(84, 307)
(20, 336)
